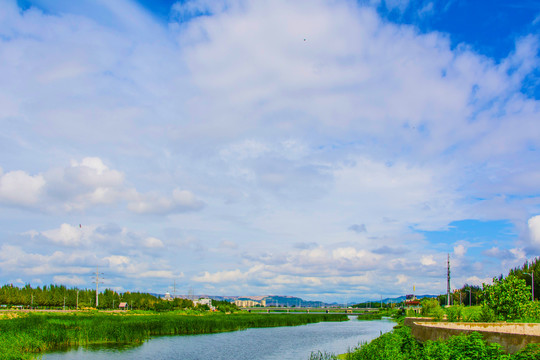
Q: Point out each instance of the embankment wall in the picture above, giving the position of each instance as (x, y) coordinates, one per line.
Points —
(512, 337)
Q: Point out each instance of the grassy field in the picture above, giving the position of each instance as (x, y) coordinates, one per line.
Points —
(26, 335)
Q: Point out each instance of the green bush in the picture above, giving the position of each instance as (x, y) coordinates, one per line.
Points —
(455, 313)
(487, 314)
(398, 344)
(507, 297)
(531, 311)
(401, 345)
(530, 352)
(431, 307)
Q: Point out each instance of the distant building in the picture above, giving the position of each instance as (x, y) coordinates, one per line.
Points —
(123, 305)
(204, 301)
(412, 303)
(167, 297)
(249, 303)
(411, 300)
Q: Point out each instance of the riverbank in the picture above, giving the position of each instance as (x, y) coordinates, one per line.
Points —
(401, 344)
(25, 336)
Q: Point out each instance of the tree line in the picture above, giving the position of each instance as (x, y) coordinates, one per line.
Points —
(60, 297)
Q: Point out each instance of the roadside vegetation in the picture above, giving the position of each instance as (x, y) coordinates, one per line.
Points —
(399, 344)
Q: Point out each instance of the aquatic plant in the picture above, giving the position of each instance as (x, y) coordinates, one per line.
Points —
(38, 332)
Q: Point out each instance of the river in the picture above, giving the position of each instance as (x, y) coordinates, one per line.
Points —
(279, 343)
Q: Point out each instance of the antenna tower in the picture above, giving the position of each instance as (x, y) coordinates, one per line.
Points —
(97, 281)
(448, 286)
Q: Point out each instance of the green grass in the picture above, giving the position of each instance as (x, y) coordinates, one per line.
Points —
(25, 336)
(370, 316)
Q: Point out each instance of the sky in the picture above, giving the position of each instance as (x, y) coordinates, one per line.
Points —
(334, 150)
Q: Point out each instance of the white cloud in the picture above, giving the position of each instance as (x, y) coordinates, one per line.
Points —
(220, 277)
(68, 235)
(180, 201)
(427, 260)
(69, 280)
(19, 188)
(402, 279)
(475, 280)
(534, 230)
(460, 250)
(117, 260)
(227, 244)
(87, 184)
(152, 242)
(167, 274)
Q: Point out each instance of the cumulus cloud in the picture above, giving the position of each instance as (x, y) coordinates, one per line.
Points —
(68, 235)
(427, 260)
(86, 184)
(460, 250)
(19, 188)
(534, 230)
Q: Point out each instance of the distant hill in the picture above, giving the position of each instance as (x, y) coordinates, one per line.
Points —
(394, 300)
(272, 300)
(292, 301)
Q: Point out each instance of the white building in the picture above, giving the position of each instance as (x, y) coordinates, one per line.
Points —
(204, 301)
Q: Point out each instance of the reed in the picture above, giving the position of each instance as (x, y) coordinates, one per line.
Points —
(24, 336)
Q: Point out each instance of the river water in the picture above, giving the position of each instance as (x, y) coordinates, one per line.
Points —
(279, 343)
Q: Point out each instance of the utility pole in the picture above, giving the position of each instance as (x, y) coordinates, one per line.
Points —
(448, 278)
(97, 285)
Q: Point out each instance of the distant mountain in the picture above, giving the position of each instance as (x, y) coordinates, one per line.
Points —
(272, 300)
(291, 301)
(396, 299)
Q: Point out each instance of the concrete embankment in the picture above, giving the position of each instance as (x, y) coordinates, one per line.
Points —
(512, 336)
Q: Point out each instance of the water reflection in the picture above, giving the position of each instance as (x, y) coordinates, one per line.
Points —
(279, 343)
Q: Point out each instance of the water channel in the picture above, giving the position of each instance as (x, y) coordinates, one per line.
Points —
(279, 343)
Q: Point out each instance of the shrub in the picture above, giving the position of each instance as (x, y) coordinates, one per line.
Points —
(487, 314)
(431, 307)
(507, 297)
(455, 313)
(530, 352)
(531, 311)
(398, 344)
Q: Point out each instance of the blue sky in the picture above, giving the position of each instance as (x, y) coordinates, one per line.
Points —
(332, 150)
